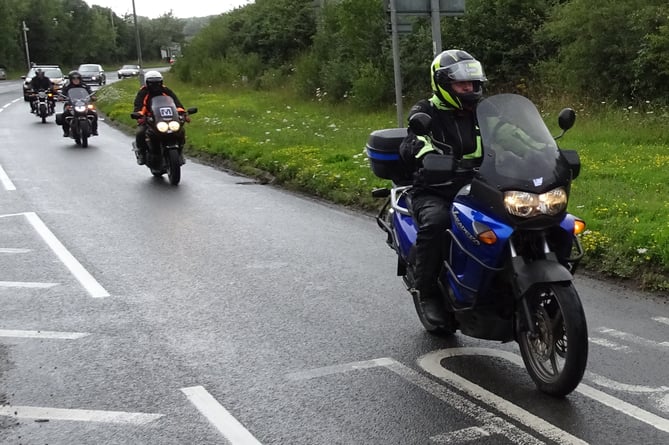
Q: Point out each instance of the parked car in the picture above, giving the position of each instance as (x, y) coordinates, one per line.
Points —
(3, 74)
(53, 72)
(128, 71)
(92, 73)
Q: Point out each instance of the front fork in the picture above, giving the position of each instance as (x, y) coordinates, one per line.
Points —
(526, 275)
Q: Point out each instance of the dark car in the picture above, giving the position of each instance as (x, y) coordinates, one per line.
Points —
(128, 71)
(53, 72)
(92, 74)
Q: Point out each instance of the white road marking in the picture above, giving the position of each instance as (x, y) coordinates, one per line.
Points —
(338, 369)
(42, 334)
(633, 338)
(83, 415)
(490, 422)
(463, 436)
(27, 284)
(13, 250)
(432, 363)
(609, 344)
(82, 275)
(612, 384)
(6, 182)
(219, 417)
(664, 320)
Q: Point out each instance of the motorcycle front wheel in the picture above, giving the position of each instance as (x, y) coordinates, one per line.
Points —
(556, 354)
(173, 167)
(84, 132)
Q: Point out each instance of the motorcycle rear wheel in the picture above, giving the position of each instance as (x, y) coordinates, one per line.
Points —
(557, 354)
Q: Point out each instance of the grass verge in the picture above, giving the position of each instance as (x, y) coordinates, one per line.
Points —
(318, 148)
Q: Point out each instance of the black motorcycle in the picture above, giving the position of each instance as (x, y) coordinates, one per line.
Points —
(165, 137)
(44, 104)
(82, 114)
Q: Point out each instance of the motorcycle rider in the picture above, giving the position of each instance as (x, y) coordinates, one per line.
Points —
(153, 86)
(39, 82)
(74, 81)
(457, 86)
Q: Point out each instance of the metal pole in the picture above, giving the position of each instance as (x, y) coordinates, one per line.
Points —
(436, 27)
(139, 46)
(396, 63)
(25, 39)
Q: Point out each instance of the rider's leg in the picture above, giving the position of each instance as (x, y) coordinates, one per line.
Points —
(432, 216)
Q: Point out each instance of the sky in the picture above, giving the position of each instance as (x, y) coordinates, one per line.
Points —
(180, 8)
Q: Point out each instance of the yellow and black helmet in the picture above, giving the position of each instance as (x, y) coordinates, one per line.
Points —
(455, 65)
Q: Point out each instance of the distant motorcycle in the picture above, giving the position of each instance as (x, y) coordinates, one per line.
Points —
(82, 115)
(165, 138)
(44, 104)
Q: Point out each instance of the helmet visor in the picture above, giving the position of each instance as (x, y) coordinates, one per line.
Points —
(463, 71)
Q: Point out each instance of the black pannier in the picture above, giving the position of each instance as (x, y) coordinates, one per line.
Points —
(383, 151)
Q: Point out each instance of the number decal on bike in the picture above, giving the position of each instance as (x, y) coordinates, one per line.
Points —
(166, 112)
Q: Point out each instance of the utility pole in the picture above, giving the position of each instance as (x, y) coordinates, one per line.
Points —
(25, 30)
(396, 63)
(139, 47)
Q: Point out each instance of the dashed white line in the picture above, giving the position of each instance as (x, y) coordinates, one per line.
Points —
(13, 250)
(218, 416)
(27, 284)
(6, 182)
(609, 344)
(462, 436)
(83, 415)
(82, 275)
(664, 320)
(633, 338)
(42, 334)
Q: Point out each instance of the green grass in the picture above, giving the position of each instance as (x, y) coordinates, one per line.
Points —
(318, 148)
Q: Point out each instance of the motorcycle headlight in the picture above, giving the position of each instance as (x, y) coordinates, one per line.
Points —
(527, 205)
(174, 125)
(91, 107)
(162, 127)
(80, 108)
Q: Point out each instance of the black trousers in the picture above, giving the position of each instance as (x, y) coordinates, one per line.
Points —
(431, 212)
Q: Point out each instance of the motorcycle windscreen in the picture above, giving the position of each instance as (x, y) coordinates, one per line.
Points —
(77, 94)
(163, 108)
(519, 152)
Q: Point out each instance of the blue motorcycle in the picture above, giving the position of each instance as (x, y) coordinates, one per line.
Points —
(512, 247)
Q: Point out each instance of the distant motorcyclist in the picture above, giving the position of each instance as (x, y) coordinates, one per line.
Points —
(39, 82)
(153, 86)
(74, 81)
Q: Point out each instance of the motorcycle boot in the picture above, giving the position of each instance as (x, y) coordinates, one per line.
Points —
(432, 305)
(140, 154)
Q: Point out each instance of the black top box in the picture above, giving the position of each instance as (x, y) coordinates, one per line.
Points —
(383, 151)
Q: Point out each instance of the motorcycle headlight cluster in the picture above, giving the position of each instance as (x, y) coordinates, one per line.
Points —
(80, 108)
(527, 205)
(164, 127)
